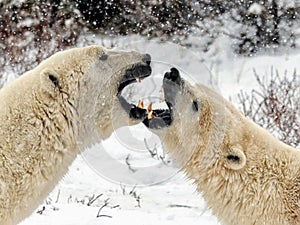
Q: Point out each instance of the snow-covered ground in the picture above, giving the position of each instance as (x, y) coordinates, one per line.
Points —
(88, 195)
(172, 202)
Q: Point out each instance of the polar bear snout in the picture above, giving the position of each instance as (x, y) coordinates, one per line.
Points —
(172, 85)
(134, 74)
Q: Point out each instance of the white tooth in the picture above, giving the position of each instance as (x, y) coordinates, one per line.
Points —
(149, 109)
(140, 104)
(150, 115)
(138, 79)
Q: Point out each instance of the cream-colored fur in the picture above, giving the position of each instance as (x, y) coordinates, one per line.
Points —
(48, 115)
(246, 176)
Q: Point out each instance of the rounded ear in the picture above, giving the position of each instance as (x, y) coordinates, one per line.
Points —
(235, 159)
(49, 82)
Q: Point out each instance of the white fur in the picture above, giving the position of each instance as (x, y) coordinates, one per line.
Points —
(262, 187)
(43, 127)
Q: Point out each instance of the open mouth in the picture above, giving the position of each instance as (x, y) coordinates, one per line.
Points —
(152, 118)
(134, 74)
(160, 118)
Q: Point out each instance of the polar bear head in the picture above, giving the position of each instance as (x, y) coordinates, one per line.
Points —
(72, 99)
(196, 119)
(245, 174)
(89, 81)
(67, 103)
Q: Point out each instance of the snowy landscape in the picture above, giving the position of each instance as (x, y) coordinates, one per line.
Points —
(94, 193)
(172, 200)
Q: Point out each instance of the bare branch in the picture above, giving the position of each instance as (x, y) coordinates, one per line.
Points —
(57, 197)
(93, 199)
(128, 164)
(41, 211)
(276, 105)
(106, 202)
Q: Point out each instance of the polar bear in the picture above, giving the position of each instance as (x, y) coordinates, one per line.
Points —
(52, 112)
(245, 175)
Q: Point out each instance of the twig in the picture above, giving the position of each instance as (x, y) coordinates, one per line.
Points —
(138, 200)
(132, 192)
(180, 206)
(41, 210)
(93, 199)
(70, 199)
(137, 197)
(106, 202)
(57, 197)
(153, 152)
(123, 188)
(115, 206)
(128, 164)
(104, 216)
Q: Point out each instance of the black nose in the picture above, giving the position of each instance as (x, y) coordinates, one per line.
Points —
(173, 76)
(146, 58)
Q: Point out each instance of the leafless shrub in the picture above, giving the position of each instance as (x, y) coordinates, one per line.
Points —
(31, 31)
(132, 193)
(87, 200)
(136, 196)
(275, 105)
(50, 204)
(166, 19)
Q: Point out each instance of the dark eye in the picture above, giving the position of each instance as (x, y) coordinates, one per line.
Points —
(195, 105)
(233, 158)
(53, 79)
(103, 57)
